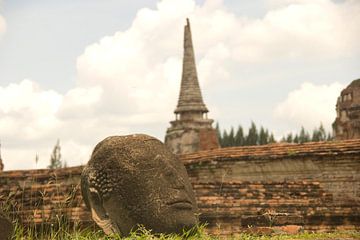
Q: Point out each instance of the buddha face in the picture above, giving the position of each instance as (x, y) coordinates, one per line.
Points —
(135, 180)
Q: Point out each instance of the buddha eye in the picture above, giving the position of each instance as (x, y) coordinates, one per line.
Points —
(164, 166)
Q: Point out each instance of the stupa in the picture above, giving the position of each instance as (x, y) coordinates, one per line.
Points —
(191, 131)
(347, 122)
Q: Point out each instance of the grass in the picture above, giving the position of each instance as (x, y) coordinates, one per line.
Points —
(67, 233)
(72, 233)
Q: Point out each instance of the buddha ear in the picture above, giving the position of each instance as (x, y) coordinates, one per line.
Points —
(99, 214)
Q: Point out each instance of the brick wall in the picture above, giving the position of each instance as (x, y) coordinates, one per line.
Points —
(315, 185)
(42, 196)
(208, 139)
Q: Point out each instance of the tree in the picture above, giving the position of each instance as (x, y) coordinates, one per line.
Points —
(289, 138)
(318, 134)
(239, 137)
(263, 136)
(55, 158)
(304, 136)
(225, 139)
(231, 137)
(272, 138)
(218, 133)
(322, 132)
(36, 159)
(329, 137)
(252, 137)
(296, 139)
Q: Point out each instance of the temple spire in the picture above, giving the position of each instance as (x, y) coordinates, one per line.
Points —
(190, 99)
(192, 129)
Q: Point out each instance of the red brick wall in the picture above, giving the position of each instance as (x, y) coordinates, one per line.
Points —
(315, 185)
(208, 139)
(41, 196)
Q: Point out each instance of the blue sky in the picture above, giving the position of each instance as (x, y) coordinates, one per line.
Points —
(82, 70)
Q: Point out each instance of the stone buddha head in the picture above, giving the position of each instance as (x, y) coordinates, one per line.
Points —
(6, 227)
(135, 180)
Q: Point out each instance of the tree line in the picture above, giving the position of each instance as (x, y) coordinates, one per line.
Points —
(317, 135)
(240, 138)
(231, 138)
(262, 136)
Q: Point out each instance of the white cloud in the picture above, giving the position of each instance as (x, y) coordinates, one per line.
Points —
(32, 119)
(133, 66)
(73, 153)
(27, 111)
(27, 121)
(2, 21)
(130, 80)
(80, 103)
(319, 28)
(310, 105)
(2, 25)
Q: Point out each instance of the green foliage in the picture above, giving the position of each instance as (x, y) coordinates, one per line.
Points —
(55, 158)
(253, 136)
(65, 233)
(238, 138)
(318, 134)
(68, 233)
(263, 136)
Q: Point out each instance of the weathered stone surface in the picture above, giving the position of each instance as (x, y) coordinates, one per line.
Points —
(189, 137)
(347, 122)
(190, 98)
(191, 131)
(6, 227)
(135, 180)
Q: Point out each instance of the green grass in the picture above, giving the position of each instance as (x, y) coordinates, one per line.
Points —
(67, 233)
(306, 235)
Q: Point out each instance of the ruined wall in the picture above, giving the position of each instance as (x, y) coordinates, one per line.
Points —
(347, 122)
(41, 196)
(315, 185)
(208, 139)
(190, 136)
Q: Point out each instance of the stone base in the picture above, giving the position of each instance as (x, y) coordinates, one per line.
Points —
(188, 140)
